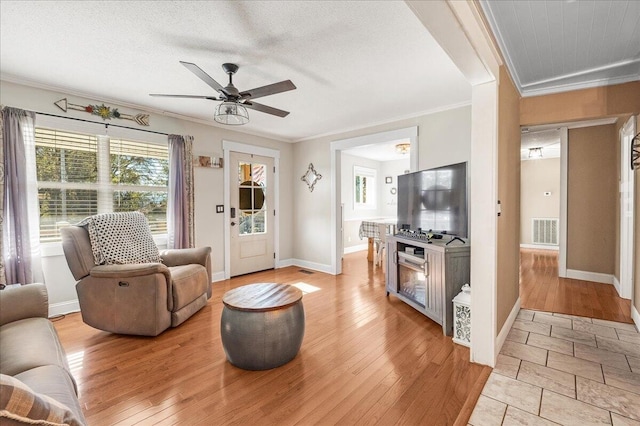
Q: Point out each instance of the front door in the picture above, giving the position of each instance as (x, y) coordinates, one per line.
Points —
(251, 213)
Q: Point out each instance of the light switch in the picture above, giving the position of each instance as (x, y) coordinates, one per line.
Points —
(547, 193)
(219, 208)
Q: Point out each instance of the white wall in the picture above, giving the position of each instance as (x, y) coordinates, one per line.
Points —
(444, 138)
(386, 203)
(537, 177)
(389, 201)
(348, 163)
(208, 182)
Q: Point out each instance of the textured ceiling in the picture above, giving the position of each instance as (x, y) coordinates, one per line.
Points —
(354, 63)
(559, 45)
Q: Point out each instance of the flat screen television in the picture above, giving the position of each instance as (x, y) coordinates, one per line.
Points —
(434, 200)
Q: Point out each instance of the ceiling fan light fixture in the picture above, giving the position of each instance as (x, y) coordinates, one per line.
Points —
(231, 113)
(403, 148)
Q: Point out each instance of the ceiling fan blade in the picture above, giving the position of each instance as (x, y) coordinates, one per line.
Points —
(202, 75)
(271, 89)
(264, 108)
(213, 98)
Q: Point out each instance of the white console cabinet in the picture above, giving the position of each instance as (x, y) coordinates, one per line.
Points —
(428, 275)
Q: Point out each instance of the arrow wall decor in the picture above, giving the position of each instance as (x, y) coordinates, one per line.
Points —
(103, 111)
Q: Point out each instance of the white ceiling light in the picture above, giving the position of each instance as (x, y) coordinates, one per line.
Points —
(403, 148)
(231, 113)
(535, 152)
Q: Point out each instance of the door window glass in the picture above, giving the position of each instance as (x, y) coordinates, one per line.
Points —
(252, 203)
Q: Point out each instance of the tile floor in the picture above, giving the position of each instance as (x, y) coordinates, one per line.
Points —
(562, 369)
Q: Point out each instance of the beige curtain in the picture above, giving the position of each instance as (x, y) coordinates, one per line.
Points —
(180, 223)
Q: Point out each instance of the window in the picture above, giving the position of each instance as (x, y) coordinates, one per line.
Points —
(252, 187)
(364, 189)
(82, 174)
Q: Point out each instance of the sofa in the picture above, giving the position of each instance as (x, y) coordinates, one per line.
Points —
(36, 385)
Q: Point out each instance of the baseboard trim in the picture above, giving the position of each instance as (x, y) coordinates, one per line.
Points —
(63, 308)
(502, 336)
(617, 286)
(539, 247)
(354, 249)
(590, 276)
(217, 276)
(635, 316)
(312, 265)
(284, 263)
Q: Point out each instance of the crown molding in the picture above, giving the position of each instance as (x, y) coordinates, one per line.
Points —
(489, 16)
(569, 87)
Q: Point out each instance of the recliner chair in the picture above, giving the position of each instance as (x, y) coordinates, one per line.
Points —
(140, 299)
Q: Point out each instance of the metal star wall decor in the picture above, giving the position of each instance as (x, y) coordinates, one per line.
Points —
(311, 177)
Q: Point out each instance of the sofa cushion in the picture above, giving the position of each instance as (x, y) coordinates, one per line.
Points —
(30, 343)
(121, 238)
(20, 403)
(54, 382)
(188, 282)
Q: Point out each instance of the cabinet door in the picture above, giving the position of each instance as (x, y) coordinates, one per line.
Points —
(434, 283)
(392, 268)
(457, 273)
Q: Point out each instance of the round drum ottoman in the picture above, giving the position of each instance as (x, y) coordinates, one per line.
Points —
(262, 325)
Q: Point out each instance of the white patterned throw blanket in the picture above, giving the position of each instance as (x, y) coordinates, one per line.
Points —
(121, 238)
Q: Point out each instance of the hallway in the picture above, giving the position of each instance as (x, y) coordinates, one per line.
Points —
(542, 290)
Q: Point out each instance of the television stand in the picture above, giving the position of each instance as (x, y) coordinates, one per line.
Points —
(427, 275)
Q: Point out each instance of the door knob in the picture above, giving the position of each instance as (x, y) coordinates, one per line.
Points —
(233, 224)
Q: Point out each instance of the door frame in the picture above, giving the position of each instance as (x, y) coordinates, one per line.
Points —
(227, 147)
(626, 184)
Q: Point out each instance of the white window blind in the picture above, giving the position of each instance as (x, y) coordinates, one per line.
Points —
(82, 174)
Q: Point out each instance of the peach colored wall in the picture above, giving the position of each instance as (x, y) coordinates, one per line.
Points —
(592, 198)
(597, 102)
(508, 267)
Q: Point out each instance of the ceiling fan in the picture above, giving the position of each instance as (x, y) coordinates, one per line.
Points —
(232, 109)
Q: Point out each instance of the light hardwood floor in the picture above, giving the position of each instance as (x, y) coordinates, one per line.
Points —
(542, 290)
(365, 359)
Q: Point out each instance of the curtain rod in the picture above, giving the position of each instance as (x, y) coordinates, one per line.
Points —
(106, 125)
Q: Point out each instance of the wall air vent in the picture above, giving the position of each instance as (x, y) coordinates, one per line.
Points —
(545, 231)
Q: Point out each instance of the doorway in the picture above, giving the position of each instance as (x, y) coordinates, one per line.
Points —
(582, 178)
(540, 189)
(337, 201)
(369, 175)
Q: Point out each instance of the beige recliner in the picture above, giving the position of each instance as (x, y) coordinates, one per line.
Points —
(141, 299)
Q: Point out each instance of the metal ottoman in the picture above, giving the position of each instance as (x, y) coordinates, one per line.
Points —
(262, 325)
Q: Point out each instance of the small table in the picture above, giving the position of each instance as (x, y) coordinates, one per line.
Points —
(371, 229)
(262, 325)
